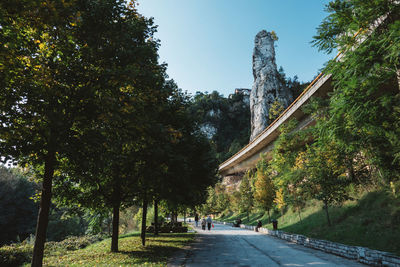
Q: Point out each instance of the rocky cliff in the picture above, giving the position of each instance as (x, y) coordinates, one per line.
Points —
(267, 87)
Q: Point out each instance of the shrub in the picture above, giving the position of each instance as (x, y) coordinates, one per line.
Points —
(73, 243)
(15, 255)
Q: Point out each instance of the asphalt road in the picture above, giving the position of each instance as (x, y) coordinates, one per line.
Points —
(229, 246)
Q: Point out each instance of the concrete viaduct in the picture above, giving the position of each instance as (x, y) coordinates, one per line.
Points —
(249, 155)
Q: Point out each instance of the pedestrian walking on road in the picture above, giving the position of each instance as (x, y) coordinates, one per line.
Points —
(203, 224)
(196, 219)
(209, 222)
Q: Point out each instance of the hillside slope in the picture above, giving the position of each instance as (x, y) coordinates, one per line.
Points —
(373, 221)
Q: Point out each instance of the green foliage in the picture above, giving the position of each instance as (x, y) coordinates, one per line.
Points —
(211, 202)
(325, 179)
(222, 198)
(275, 110)
(226, 121)
(217, 200)
(287, 148)
(363, 109)
(274, 36)
(72, 243)
(15, 255)
(246, 194)
(264, 188)
(98, 222)
(138, 218)
(292, 84)
(63, 224)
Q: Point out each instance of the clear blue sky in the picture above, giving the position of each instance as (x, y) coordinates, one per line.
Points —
(208, 44)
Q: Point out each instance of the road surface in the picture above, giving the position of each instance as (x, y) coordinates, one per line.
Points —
(228, 246)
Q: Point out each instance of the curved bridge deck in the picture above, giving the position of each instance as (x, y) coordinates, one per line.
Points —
(249, 155)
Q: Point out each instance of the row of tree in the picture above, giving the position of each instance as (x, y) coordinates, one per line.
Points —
(86, 105)
(356, 139)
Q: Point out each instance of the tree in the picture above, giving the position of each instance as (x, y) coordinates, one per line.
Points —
(363, 105)
(222, 202)
(280, 200)
(326, 180)
(46, 91)
(246, 195)
(189, 161)
(211, 201)
(217, 200)
(117, 144)
(264, 188)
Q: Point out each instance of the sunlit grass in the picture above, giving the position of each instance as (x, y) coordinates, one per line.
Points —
(131, 252)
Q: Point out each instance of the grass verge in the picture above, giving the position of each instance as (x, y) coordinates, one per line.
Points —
(157, 251)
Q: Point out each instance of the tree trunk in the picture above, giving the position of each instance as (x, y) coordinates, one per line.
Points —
(156, 216)
(269, 217)
(109, 223)
(184, 216)
(144, 216)
(327, 213)
(115, 228)
(174, 217)
(115, 220)
(299, 214)
(43, 217)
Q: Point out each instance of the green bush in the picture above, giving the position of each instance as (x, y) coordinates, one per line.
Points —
(15, 255)
(73, 243)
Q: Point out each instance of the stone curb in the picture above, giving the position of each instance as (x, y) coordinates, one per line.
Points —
(360, 254)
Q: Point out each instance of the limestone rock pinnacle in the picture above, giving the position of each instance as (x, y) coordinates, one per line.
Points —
(267, 87)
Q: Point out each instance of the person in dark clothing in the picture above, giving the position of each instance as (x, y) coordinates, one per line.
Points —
(196, 219)
(209, 222)
(237, 223)
(259, 225)
(203, 224)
